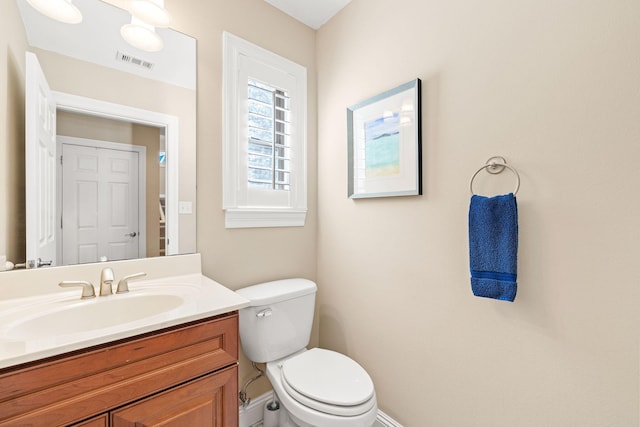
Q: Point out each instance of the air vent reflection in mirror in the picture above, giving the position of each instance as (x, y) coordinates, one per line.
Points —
(130, 59)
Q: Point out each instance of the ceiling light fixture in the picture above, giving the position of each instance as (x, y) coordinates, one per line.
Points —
(60, 10)
(141, 35)
(151, 11)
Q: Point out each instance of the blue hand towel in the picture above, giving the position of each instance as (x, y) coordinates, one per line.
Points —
(493, 246)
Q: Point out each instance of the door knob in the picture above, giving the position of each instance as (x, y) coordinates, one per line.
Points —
(132, 234)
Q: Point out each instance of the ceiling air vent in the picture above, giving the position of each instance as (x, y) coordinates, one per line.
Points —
(130, 59)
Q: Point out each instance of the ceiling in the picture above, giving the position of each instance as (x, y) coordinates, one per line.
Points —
(97, 39)
(171, 65)
(313, 13)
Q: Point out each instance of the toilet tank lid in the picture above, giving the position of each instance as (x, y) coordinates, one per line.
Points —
(276, 291)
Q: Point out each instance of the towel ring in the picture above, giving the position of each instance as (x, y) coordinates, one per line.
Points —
(496, 165)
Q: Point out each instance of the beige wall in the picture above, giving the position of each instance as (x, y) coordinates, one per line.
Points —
(240, 257)
(13, 43)
(554, 87)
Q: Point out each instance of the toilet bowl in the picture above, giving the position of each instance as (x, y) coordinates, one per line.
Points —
(315, 387)
(320, 387)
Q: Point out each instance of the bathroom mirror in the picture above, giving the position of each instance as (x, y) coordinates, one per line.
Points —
(110, 98)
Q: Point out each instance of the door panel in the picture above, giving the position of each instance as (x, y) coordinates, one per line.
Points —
(119, 210)
(40, 154)
(100, 193)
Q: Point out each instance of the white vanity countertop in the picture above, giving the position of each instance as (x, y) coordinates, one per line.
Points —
(29, 326)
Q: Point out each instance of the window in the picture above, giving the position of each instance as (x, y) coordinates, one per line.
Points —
(269, 146)
(264, 148)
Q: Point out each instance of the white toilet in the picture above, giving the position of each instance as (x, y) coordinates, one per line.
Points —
(317, 387)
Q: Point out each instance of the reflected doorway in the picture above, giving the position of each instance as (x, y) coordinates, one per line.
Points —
(119, 219)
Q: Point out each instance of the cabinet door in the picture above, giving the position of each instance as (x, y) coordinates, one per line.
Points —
(210, 401)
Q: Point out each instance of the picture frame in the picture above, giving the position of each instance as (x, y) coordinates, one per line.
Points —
(385, 144)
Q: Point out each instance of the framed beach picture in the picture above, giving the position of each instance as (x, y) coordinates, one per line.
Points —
(384, 144)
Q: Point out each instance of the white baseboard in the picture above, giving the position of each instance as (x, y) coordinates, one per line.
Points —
(384, 420)
(253, 413)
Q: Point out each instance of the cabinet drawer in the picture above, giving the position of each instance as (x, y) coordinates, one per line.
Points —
(67, 389)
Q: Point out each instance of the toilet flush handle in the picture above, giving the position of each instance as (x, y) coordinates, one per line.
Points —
(264, 313)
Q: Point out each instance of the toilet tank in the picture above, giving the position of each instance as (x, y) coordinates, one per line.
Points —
(278, 320)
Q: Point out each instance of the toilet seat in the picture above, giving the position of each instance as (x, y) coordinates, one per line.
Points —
(328, 382)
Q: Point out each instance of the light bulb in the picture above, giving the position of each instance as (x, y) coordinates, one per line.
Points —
(141, 35)
(60, 10)
(150, 11)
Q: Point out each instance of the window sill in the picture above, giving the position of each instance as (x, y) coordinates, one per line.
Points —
(260, 217)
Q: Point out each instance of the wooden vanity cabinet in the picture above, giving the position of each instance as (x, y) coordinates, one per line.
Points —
(181, 376)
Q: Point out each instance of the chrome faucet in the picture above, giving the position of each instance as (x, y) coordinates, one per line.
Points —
(106, 284)
(106, 281)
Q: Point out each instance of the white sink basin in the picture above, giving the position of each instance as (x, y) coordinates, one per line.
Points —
(93, 315)
(45, 325)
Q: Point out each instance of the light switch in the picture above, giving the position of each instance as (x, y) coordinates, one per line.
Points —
(185, 208)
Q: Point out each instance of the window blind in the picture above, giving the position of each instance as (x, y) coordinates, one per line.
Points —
(269, 148)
